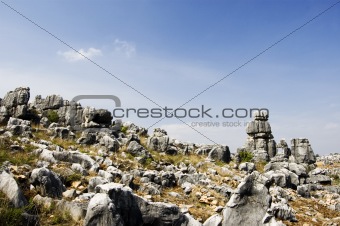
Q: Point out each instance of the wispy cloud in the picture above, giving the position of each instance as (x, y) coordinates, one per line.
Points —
(127, 48)
(72, 56)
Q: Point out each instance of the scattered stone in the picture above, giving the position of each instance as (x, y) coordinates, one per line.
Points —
(47, 183)
(11, 189)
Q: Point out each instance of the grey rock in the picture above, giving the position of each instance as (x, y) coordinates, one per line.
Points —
(214, 220)
(103, 117)
(62, 133)
(76, 157)
(47, 183)
(161, 214)
(14, 104)
(136, 149)
(190, 221)
(51, 102)
(87, 138)
(111, 144)
(117, 173)
(298, 169)
(77, 210)
(159, 141)
(106, 175)
(102, 211)
(320, 179)
(133, 129)
(94, 181)
(302, 151)
(19, 127)
(76, 167)
(150, 188)
(127, 179)
(282, 211)
(248, 205)
(168, 179)
(304, 191)
(247, 166)
(45, 122)
(191, 178)
(11, 189)
(20, 96)
(220, 153)
(128, 208)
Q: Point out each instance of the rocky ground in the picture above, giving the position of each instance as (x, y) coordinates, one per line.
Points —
(62, 164)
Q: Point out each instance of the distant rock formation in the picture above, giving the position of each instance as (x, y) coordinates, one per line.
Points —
(14, 104)
(261, 144)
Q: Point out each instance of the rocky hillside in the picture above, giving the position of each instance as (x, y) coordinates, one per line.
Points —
(62, 164)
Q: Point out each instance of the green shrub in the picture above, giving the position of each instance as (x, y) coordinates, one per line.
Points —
(124, 129)
(52, 116)
(73, 177)
(246, 156)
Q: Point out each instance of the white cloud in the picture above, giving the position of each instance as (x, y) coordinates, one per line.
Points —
(72, 56)
(128, 49)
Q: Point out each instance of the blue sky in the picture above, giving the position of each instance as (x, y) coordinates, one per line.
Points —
(172, 50)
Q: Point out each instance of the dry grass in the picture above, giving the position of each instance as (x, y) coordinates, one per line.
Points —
(197, 209)
(307, 209)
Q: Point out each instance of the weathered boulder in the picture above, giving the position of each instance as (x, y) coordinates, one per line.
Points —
(96, 118)
(19, 127)
(47, 183)
(102, 211)
(136, 149)
(159, 141)
(247, 166)
(111, 144)
(11, 189)
(220, 153)
(87, 138)
(94, 181)
(14, 104)
(50, 102)
(76, 157)
(62, 133)
(303, 190)
(214, 220)
(302, 151)
(249, 204)
(131, 128)
(118, 204)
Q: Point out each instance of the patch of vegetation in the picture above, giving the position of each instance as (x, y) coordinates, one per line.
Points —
(17, 158)
(73, 177)
(60, 218)
(124, 129)
(52, 116)
(11, 216)
(260, 166)
(335, 179)
(246, 156)
(8, 214)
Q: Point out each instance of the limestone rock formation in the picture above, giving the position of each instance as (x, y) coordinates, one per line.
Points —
(14, 104)
(302, 151)
(260, 139)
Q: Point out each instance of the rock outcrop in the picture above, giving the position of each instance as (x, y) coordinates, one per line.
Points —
(115, 174)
